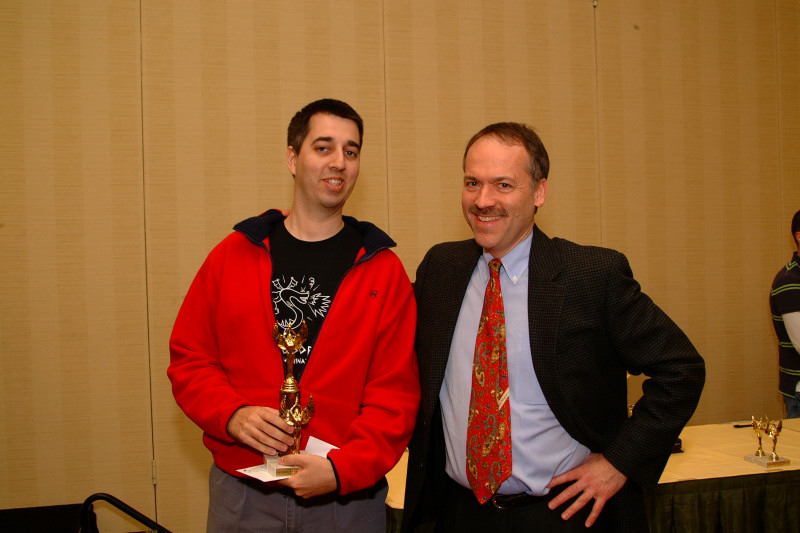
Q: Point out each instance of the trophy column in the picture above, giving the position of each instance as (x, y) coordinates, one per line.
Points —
(290, 398)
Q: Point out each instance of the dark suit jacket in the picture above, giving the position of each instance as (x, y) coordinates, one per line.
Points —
(589, 323)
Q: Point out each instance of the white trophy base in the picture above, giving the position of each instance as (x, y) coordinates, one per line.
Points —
(276, 469)
(766, 462)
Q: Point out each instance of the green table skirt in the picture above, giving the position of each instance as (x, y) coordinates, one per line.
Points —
(746, 504)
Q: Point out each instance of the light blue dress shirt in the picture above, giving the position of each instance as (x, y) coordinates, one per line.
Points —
(540, 448)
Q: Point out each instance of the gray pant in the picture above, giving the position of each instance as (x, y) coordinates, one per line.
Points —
(245, 506)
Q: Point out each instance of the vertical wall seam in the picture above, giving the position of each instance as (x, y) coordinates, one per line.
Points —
(779, 124)
(597, 127)
(386, 121)
(148, 324)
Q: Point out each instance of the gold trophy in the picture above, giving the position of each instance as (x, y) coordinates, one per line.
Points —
(758, 427)
(290, 411)
(771, 428)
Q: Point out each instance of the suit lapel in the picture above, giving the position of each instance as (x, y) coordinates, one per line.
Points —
(545, 306)
(460, 267)
(463, 266)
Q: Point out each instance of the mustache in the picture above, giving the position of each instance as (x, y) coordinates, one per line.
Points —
(488, 212)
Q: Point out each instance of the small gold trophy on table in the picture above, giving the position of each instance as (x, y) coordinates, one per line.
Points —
(758, 427)
(290, 411)
(771, 428)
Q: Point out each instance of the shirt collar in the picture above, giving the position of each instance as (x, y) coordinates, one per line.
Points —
(515, 262)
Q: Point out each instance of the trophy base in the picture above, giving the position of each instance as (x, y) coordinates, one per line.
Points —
(766, 462)
(276, 469)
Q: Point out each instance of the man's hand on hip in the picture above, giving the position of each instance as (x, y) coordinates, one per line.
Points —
(596, 479)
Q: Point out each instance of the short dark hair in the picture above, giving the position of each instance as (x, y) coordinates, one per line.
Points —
(514, 133)
(298, 126)
(796, 227)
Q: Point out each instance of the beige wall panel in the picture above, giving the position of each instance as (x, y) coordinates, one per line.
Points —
(221, 82)
(789, 94)
(689, 171)
(452, 67)
(74, 382)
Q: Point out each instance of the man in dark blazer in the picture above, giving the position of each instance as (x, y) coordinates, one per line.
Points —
(584, 322)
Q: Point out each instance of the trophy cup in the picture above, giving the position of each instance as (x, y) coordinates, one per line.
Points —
(290, 411)
(771, 428)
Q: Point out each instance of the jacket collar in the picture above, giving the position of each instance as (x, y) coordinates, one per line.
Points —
(257, 230)
(545, 261)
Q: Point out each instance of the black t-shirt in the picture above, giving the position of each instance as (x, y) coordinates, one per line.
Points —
(305, 277)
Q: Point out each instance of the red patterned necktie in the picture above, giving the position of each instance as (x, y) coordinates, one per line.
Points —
(489, 425)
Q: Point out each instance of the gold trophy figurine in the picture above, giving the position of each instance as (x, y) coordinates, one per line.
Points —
(758, 427)
(773, 430)
(289, 342)
(770, 428)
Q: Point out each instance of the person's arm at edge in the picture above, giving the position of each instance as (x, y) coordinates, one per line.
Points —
(792, 323)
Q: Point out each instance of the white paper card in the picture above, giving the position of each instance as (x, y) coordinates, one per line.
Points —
(261, 473)
(314, 446)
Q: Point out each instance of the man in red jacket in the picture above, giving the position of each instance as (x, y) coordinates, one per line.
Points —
(339, 276)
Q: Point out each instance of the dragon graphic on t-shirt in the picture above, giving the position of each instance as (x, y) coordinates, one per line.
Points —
(295, 301)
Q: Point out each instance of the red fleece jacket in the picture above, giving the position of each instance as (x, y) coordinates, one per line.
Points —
(363, 373)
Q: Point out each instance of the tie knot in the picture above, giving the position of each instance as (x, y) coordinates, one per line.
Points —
(494, 265)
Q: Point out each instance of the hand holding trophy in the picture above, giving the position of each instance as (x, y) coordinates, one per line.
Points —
(290, 409)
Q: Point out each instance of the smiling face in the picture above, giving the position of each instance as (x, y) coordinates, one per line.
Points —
(326, 168)
(500, 198)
